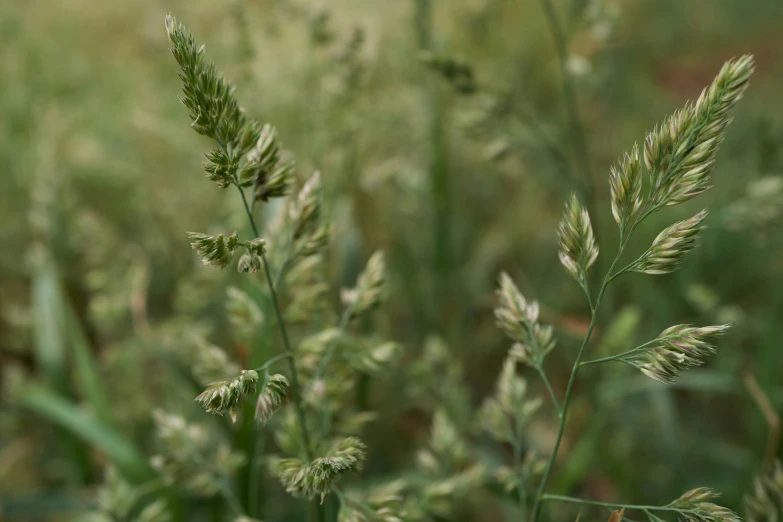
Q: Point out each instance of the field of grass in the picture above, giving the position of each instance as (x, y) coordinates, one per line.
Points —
(448, 134)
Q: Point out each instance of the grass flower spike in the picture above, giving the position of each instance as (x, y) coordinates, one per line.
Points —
(214, 250)
(306, 210)
(264, 170)
(316, 479)
(271, 398)
(681, 153)
(764, 503)
(518, 318)
(671, 247)
(251, 260)
(190, 456)
(676, 349)
(370, 287)
(695, 506)
(226, 396)
(625, 180)
(386, 509)
(507, 413)
(209, 98)
(578, 250)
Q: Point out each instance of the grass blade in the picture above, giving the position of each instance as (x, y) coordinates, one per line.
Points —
(50, 351)
(122, 452)
(87, 378)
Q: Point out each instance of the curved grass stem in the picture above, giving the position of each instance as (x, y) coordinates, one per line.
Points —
(610, 505)
(318, 511)
(550, 390)
(522, 499)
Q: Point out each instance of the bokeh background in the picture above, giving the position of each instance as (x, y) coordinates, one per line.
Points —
(455, 180)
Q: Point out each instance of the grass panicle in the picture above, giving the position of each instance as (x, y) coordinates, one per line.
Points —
(578, 249)
(518, 318)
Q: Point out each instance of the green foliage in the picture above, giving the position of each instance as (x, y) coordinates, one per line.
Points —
(441, 140)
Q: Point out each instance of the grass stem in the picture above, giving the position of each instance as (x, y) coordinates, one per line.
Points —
(577, 364)
(564, 498)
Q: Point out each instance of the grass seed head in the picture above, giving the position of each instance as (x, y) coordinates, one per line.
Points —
(625, 180)
(671, 247)
(518, 318)
(316, 479)
(578, 249)
(214, 250)
(226, 396)
(676, 349)
(681, 152)
(272, 398)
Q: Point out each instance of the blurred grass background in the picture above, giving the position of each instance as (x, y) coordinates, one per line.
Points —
(101, 178)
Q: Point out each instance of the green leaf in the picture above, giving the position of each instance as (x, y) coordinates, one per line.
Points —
(88, 381)
(50, 350)
(90, 429)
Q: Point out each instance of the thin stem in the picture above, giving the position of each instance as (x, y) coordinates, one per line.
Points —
(564, 498)
(550, 390)
(574, 371)
(606, 359)
(769, 413)
(297, 397)
(563, 416)
(254, 483)
(625, 269)
(291, 363)
(586, 288)
(248, 210)
(624, 354)
(273, 360)
(517, 469)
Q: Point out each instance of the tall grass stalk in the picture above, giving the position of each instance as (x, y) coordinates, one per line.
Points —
(679, 155)
(317, 509)
(437, 111)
